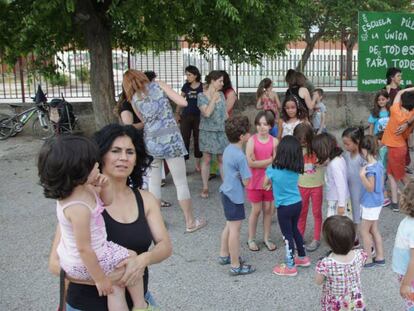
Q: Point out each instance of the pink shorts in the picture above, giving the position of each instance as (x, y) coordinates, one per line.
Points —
(259, 195)
(112, 255)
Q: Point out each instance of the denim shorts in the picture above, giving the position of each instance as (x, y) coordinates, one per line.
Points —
(232, 211)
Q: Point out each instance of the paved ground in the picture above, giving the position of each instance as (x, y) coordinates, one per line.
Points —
(189, 280)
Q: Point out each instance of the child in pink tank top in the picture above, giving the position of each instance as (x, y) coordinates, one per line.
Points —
(260, 152)
(69, 172)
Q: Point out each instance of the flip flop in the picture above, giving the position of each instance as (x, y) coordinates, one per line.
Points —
(165, 203)
(268, 244)
(198, 224)
(252, 245)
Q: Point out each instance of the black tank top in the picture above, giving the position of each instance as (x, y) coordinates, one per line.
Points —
(135, 236)
(294, 90)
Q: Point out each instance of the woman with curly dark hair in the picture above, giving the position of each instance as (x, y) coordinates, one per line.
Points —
(132, 220)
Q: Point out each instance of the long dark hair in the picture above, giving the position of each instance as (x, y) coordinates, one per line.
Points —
(107, 135)
(301, 112)
(289, 155)
(263, 85)
(226, 82)
(326, 147)
(376, 110)
(64, 163)
(194, 70)
(355, 134)
(304, 133)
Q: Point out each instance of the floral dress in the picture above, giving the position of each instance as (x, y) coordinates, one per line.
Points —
(161, 134)
(212, 137)
(342, 286)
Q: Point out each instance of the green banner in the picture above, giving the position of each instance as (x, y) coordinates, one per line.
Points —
(384, 40)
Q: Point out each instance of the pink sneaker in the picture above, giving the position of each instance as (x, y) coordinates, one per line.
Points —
(283, 269)
(387, 202)
(302, 262)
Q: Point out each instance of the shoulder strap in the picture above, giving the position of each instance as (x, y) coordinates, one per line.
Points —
(140, 202)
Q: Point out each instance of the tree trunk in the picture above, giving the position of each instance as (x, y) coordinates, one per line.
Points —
(349, 44)
(310, 44)
(97, 34)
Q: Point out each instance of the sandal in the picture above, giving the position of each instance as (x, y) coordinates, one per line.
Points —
(198, 224)
(225, 260)
(242, 270)
(252, 245)
(165, 203)
(270, 245)
(204, 194)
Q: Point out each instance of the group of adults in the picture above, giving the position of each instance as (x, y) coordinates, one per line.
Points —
(149, 127)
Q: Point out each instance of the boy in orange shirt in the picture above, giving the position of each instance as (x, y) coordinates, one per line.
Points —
(395, 135)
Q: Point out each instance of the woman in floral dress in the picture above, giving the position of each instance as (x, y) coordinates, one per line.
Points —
(163, 140)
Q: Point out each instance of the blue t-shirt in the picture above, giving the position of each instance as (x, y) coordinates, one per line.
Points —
(381, 122)
(404, 241)
(274, 131)
(191, 97)
(234, 167)
(284, 185)
(376, 197)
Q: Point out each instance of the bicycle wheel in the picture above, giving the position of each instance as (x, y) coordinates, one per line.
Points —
(43, 132)
(7, 128)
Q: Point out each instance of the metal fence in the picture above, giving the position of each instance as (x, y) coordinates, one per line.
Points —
(324, 68)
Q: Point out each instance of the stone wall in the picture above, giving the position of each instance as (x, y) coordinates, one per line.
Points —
(343, 109)
(346, 109)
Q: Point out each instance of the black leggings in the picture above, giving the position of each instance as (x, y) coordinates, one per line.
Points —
(288, 217)
(190, 124)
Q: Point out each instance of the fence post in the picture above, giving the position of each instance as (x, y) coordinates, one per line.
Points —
(129, 59)
(237, 79)
(342, 62)
(21, 79)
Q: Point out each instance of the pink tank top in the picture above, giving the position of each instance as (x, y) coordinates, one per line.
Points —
(67, 250)
(262, 151)
(269, 104)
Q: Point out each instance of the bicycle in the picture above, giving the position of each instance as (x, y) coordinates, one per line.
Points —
(52, 119)
(41, 127)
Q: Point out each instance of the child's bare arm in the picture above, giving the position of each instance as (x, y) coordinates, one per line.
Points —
(319, 279)
(405, 288)
(371, 129)
(245, 181)
(267, 184)
(253, 163)
(367, 182)
(105, 189)
(79, 216)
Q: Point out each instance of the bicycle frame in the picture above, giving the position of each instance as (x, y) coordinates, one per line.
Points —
(29, 112)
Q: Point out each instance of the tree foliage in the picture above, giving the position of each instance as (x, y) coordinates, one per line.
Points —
(245, 30)
(338, 20)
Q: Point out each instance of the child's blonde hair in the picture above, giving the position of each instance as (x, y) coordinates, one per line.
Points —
(407, 199)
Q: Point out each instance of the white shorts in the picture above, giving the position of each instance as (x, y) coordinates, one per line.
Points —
(370, 213)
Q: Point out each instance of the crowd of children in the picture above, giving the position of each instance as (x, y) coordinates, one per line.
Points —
(292, 170)
(286, 165)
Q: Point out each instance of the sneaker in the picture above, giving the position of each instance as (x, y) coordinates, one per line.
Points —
(302, 261)
(386, 203)
(373, 252)
(408, 170)
(242, 270)
(369, 265)
(283, 269)
(380, 263)
(357, 244)
(395, 207)
(313, 246)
